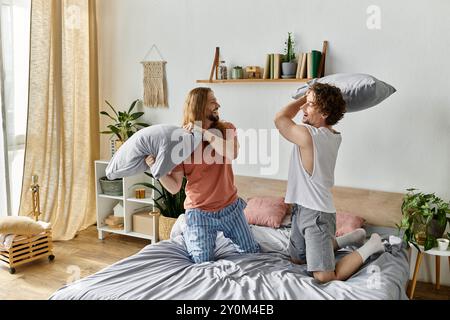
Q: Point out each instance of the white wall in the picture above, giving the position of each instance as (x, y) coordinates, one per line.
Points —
(404, 142)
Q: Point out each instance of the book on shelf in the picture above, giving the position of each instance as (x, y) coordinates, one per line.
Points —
(315, 63)
(301, 67)
(266, 74)
(276, 65)
(272, 68)
(297, 71)
(271, 65)
(308, 65)
(323, 59)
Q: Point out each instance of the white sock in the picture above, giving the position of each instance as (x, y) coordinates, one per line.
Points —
(374, 245)
(355, 238)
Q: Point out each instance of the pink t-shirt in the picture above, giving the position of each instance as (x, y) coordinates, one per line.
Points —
(210, 184)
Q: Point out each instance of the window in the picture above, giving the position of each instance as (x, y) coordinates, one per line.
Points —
(15, 39)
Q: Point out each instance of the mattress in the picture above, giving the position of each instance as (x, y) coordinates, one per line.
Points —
(163, 271)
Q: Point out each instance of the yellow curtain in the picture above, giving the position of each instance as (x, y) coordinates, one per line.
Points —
(62, 133)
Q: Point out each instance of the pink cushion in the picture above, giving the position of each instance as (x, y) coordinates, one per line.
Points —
(266, 211)
(347, 222)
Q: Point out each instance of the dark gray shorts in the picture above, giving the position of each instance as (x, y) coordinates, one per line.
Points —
(312, 237)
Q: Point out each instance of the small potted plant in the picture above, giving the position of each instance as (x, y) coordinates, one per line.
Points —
(424, 218)
(170, 206)
(289, 66)
(124, 126)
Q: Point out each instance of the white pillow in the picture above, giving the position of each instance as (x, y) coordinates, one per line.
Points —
(272, 240)
(360, 91)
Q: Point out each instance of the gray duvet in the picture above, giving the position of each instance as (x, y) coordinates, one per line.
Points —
(164, 271)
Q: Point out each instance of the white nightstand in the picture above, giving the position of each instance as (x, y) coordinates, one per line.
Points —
(433, 252)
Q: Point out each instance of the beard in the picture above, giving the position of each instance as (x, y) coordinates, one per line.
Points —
(213, 118)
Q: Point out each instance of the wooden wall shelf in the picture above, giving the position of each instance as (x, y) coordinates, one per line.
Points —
(255, 81)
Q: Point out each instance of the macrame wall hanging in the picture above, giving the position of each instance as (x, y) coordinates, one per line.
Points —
(155, 83)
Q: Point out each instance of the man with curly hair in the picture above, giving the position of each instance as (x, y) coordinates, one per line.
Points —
(311, 178)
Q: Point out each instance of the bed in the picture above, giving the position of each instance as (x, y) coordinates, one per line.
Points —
(164, 271)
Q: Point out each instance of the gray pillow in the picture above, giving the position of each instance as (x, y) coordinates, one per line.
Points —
(169, 144)
(360, 91)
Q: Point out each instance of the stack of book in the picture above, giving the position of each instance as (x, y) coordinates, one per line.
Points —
(272, 69)
(308, 65)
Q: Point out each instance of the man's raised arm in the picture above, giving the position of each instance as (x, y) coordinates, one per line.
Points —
(288, 128)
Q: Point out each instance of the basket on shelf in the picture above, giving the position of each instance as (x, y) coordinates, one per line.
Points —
(111, 187)
(165, 227)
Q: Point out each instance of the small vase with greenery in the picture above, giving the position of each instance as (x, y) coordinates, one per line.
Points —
(289, 66)
(170, 206)
(424, 218)
(125, 122)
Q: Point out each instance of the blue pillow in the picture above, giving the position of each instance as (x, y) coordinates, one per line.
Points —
(360, 91)
(169, 144)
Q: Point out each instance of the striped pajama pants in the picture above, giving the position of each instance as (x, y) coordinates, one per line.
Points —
(202, 227)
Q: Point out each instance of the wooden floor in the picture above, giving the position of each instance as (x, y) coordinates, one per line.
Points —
(79, 257)
(427, 291)
(86, 255)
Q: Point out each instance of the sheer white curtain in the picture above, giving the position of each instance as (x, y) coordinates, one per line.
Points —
(15, 40)
(4, 181)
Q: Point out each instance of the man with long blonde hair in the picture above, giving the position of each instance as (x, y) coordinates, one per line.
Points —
(212, 203)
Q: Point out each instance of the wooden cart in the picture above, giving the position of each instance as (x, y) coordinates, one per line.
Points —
(25, 249)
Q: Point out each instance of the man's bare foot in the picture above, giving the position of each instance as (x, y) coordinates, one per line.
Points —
(299, 262)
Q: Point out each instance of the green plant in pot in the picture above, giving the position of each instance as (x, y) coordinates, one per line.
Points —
(424, 218)
(170, 206)
(289, 66)
(125, 123)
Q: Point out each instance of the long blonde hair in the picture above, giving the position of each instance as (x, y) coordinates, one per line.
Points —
(195, 108)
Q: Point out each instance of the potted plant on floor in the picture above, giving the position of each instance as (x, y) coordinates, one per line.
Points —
(289, 66)
(124, 126)
(170, 206)
(424, 218)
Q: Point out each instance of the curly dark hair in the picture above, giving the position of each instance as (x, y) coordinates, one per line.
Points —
(330, 102)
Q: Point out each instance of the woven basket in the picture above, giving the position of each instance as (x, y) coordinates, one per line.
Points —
(165, 227)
